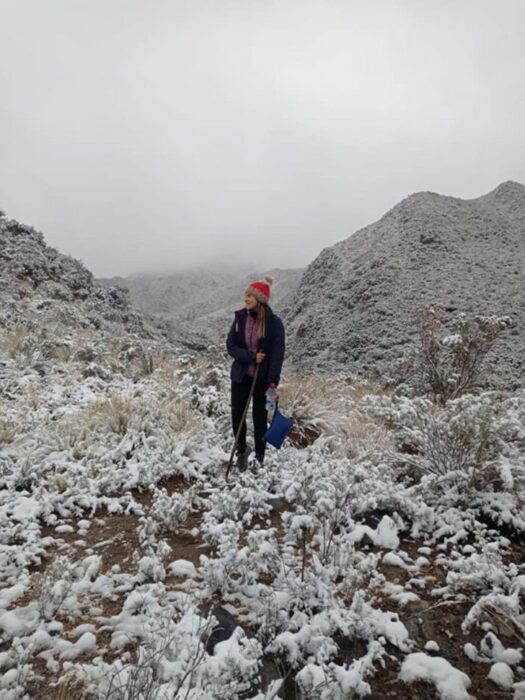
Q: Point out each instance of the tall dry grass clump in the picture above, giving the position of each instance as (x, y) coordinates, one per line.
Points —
(329, 407)
(8, 432)
(113, 412)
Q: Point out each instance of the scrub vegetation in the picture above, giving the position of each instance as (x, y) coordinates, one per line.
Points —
(378, 554)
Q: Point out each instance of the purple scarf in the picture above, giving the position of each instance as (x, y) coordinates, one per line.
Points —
(250, 335)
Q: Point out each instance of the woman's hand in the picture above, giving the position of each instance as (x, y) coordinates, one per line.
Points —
(260, 357)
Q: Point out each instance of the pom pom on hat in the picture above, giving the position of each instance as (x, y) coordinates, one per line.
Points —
(260, 289)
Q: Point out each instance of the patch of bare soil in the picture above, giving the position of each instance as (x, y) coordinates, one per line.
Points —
(431, 619)
(115, 538)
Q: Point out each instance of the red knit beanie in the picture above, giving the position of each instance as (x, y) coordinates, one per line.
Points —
(260, 289)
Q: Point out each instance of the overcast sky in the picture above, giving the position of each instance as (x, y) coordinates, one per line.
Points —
(155, 135)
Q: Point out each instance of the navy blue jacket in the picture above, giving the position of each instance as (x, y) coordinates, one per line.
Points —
(272, 344)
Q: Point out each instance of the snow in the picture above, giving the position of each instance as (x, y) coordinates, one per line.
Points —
(19, 622)
(450, 683)
(392, 559)
(470, 651)
(519, 691)
(501, 674)
(25, 508)
(112, 467)
(385, 535)
(492, 647)
(183, 568)
(86, 643)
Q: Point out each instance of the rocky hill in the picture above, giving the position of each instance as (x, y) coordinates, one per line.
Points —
(356, 303)
(52, 309)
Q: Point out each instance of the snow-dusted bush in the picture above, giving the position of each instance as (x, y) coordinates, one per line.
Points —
(54, 586)
(172, 510)
(474, 443)
(173, 662)
(452, 352)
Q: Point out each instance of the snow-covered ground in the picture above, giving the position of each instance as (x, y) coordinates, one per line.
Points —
(378, 554)
(357, 564)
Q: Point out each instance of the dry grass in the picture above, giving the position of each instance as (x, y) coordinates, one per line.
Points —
(32, 397)
(8, 431)
(114, 413)
(54, 341)
(330, 407)
(363, 435)
(16, 341)
(120, 414)
(70, 687)
(181, 416)
(328, 391)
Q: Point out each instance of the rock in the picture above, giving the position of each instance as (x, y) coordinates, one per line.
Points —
(223, 628)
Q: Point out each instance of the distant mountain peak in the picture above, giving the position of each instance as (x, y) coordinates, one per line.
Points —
(356, 306)
(508, 191)
(510, 186)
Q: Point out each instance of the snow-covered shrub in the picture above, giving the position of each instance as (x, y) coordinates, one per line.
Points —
(460, 438)
(473, 443)
(452, 352)
(172, 510)
(54, 586)
(336, 682)
(59, 482)
(502, 608)
(480, 573)
(173, 662)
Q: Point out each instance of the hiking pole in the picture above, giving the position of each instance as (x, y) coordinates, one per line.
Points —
(245, 412)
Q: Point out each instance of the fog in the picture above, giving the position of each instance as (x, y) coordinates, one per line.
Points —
(154, 136)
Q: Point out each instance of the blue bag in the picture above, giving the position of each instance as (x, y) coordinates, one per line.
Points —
(278, 430)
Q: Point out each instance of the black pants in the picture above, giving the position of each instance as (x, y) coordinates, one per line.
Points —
(240, 393)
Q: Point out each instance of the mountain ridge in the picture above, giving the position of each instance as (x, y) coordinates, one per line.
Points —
(361, 295)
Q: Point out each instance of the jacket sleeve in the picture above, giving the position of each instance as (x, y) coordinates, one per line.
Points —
(277, 356)
(242, 355)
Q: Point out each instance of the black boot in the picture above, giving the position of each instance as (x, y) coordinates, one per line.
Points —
(242, 460)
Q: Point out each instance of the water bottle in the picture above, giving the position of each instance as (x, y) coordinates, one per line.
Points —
(271, 399)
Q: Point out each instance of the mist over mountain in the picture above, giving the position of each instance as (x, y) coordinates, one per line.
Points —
(356, 304)
(199, 303)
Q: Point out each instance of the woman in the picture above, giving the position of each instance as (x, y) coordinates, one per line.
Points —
(256, 338)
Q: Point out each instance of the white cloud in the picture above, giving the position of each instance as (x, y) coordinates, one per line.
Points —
(138, 135)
